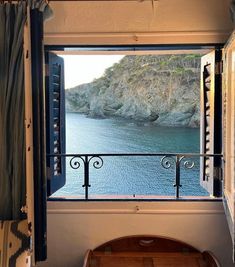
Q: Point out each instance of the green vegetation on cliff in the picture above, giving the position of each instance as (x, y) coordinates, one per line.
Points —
(162, 89)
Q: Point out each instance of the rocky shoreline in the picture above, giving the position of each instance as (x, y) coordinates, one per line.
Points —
(163, 90)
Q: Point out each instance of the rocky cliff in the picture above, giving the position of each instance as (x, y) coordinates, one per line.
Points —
(160, 89)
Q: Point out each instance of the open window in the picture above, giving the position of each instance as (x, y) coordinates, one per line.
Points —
(210, 108)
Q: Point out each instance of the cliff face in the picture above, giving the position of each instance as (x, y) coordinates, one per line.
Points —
(160, 89)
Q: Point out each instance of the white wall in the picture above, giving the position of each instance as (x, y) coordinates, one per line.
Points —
(74, 227)
(139, 22)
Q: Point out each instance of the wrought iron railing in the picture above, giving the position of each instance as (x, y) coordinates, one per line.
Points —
(177, 162)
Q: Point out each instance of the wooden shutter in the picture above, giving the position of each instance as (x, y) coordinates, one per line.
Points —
(55, 122)
(211, 122)
(229, 134)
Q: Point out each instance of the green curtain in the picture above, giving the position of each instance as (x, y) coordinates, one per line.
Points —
(12, 134)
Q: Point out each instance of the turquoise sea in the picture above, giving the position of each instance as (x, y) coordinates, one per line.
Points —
(129, 177)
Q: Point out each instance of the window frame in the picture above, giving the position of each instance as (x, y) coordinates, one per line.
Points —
(83, 49)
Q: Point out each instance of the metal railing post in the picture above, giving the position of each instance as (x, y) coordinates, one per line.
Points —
(177, 184)
(86, 176)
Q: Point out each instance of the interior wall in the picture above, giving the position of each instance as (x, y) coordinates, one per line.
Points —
(139, 22)
(74, 227)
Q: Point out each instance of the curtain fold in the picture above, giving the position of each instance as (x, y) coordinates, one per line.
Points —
(13, 17)
(12, 136)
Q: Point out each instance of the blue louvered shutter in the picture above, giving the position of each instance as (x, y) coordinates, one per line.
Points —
(55, 122)
(211, 122)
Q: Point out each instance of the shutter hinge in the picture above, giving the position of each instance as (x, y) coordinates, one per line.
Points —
(217, 184)
(48, 173)
(218, 173)
(218, 67)
(47, 72)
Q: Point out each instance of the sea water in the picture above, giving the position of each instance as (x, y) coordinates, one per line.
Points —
(128, 176)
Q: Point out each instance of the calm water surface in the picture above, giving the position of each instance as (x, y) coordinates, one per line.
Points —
(128, 176)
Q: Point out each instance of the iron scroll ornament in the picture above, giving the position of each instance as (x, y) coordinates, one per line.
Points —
(97, 163)
(75, 162)
(168, 161)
